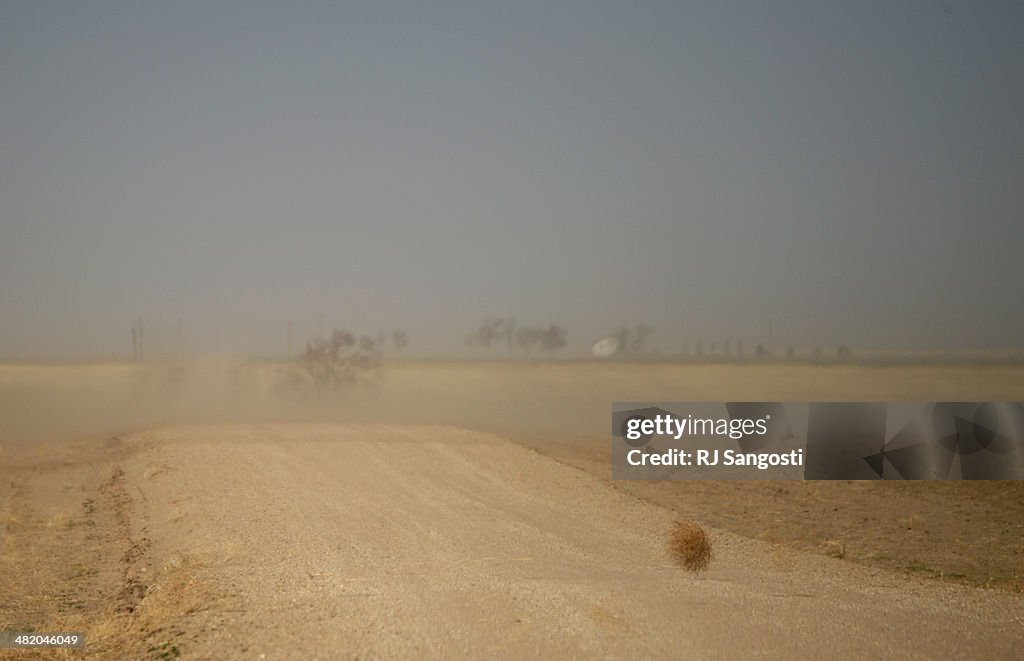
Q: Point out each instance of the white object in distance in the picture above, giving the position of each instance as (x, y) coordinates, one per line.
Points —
(605, 347)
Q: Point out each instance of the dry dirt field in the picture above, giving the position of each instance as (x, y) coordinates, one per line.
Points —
(214, 510)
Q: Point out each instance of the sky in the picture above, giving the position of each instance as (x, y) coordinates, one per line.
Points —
(845, 173)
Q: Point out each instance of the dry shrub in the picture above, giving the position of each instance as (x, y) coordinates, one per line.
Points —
(690, 546)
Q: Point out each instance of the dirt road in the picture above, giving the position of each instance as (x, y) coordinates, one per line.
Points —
(344, 541)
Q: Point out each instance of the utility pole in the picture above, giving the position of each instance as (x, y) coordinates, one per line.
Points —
(142, 352)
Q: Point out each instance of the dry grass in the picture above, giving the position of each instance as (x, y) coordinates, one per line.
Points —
(60, 519)
(690, 546)
(96, 593)
(151, 626)
(834, 548)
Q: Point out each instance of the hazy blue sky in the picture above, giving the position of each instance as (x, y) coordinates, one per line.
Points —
(853, 171)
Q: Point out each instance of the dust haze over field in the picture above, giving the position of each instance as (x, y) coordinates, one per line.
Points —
(787, 203)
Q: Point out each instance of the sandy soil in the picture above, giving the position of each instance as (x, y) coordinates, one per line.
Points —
(391, 529)
(320, 541)
(965, 532)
